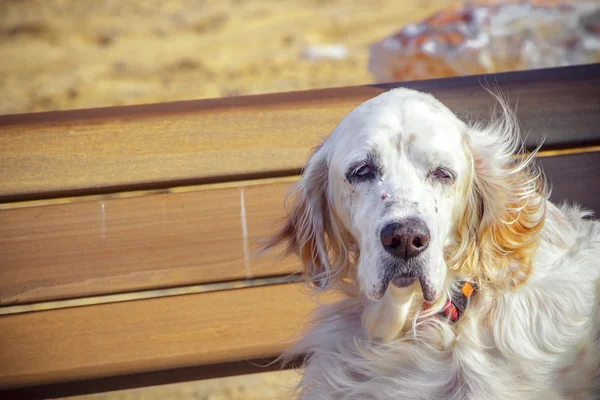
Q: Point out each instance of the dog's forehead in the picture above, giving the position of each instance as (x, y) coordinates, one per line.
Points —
(401, 116)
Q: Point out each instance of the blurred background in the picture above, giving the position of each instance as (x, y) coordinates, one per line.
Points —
(67, 54)
(74, 54)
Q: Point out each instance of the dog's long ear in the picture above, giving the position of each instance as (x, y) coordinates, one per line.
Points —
(311, 230)
(505, 210)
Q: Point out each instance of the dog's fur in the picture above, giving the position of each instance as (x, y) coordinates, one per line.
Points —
(532, 329)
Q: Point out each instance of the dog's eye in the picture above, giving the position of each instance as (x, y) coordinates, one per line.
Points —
(363, 171)
(443, 174)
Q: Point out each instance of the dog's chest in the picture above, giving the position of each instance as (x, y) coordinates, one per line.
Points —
(539, 337)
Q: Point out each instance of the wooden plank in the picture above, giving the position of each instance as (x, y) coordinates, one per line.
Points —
(163, 145)
(131, 381)
(151, 335)
(140, 243)
(175, 239)
(574, 178)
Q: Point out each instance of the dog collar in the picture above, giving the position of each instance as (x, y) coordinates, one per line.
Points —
(456, 305)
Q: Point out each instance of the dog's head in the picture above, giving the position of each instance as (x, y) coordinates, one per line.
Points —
(402, 191)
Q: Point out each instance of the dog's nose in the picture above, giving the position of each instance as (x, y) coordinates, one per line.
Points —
(405, 239)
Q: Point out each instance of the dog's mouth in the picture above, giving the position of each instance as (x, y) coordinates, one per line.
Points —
(403, 281)
(406, 281)
(402, 278)
(404, 274)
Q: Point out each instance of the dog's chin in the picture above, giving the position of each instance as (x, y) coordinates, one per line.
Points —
(429, 293)
(404, 274)
(403, 281)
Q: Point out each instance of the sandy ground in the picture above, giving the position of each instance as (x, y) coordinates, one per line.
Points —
(79, 54)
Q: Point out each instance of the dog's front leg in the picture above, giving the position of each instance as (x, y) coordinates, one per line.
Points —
(384, 320)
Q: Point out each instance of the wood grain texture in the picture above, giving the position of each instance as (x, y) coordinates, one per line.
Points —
(162, 145)
(176, 239)
(152, 378)
(127, 244)
(574, 179)
(150, 335)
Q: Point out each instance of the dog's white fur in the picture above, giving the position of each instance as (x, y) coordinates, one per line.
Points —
(533, 329)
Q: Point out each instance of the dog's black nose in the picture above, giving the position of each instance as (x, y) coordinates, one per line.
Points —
(405, 239)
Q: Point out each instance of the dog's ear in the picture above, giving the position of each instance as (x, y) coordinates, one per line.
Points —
(311, 230)
(505, 210)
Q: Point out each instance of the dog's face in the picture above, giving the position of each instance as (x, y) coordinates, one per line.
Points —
(398, 179)
(401, 186)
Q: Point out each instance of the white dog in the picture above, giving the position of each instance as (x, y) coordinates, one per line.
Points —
(462, 280)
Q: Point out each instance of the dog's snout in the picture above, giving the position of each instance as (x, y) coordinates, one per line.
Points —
(405, 239)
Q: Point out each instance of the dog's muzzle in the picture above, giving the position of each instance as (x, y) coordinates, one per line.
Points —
(405, 240)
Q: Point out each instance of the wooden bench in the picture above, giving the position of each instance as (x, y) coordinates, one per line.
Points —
(126, 234)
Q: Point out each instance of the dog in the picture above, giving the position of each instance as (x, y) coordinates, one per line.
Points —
(461, 280)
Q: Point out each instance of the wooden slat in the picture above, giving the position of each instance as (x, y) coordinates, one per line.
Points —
(575, 179)
(161, 145)
(153, 378)
(125, 244)
(174, 239)
(150, 335)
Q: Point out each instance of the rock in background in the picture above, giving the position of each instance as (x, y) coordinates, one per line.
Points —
(491, 36)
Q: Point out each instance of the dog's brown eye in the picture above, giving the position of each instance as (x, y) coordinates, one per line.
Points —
(363, 171)
(443, 174)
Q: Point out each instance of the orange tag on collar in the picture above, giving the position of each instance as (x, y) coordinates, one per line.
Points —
(467, 290)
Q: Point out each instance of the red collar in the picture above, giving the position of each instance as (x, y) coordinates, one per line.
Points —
(456, 305)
